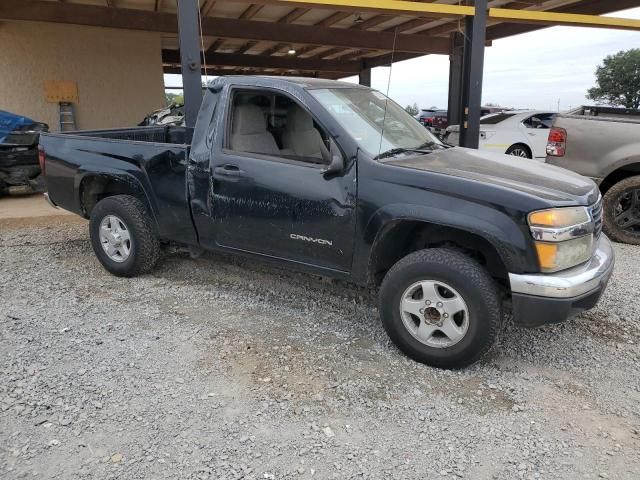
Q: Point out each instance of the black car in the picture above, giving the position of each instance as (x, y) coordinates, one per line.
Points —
(306, 173)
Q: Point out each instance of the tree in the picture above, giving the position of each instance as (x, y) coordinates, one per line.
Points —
(177, 98)
(173, 99)
(412, 110)
(618, 80)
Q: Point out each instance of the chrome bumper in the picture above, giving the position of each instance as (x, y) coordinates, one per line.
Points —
(569, 283)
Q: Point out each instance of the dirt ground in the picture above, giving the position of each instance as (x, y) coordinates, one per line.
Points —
(223, 368)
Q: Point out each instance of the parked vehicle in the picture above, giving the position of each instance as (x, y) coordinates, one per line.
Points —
(604, 143)
(426, 116)
(171, 115)
(440, 122)
(301, 172)
(519, 133)
(484, 111)
(19, 167)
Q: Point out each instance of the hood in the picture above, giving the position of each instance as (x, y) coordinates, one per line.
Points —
(532, 177)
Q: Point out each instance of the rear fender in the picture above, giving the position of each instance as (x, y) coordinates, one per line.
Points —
(127, 184)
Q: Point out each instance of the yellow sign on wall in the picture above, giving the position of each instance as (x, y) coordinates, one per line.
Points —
(57, 91)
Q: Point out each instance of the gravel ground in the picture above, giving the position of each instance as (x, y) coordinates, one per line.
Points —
(222, 368)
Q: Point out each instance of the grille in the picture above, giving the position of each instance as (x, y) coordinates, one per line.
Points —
(596, 215)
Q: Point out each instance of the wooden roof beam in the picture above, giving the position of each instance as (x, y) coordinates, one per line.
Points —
(37, 10)
(290, 17)
(397, 7)
(246, 71)
(251, 11)
(206, 7)
(262, 61)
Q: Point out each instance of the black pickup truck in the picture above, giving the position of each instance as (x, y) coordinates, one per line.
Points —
(337, 180)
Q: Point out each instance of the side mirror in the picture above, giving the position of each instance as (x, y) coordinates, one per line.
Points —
(336, 164)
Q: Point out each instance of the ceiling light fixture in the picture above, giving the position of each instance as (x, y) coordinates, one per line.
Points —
(291, 51)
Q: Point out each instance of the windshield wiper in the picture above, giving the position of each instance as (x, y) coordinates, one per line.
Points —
(399, 150)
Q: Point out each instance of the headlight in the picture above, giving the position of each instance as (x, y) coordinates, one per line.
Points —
(563, 237)
(559, 217)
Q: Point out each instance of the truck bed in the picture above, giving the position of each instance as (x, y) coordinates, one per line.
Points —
(156, 134)
(599, 140)
(152, 160)
(606, 113)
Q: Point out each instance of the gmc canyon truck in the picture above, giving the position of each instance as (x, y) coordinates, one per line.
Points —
(604, 143)
(338, 180)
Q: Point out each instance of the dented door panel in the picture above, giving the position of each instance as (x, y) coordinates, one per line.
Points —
(284, 210)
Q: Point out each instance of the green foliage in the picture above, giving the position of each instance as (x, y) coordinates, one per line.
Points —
(618, 80)
(177, 98)
(412, 110)
(173, 99)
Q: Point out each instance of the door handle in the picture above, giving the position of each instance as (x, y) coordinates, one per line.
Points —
(228, 171)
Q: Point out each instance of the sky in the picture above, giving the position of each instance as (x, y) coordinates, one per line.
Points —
(533, 70)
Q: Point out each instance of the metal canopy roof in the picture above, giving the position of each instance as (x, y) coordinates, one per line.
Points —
(331, 38)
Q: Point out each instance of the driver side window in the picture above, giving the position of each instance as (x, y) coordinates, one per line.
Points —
(272, 124)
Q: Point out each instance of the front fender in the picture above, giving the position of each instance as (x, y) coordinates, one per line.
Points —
(509, 238)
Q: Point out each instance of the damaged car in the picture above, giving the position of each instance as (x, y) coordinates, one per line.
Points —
(19, 166)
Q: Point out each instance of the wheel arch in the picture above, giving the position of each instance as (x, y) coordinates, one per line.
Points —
(94, 187)
(521, 144)
(401, 237)
(620, 173)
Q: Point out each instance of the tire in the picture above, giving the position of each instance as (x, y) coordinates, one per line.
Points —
(519, 150)
(618, 197)
(467, 280)
(135, 256)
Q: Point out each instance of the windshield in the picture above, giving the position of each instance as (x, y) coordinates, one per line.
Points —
(361, 112)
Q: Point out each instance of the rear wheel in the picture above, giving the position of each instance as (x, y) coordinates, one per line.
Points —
(621, 207)
(519, 150)
(440, 308)
(123, 237)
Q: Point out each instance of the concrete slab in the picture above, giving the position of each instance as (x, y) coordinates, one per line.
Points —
(28, 206)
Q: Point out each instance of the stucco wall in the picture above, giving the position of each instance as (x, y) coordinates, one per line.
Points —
(118, 72)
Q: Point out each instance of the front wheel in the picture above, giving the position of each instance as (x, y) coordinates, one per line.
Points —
(440, 308)
(123, 237)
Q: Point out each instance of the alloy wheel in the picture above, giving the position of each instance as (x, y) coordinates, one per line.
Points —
(115, 238)
(434, 313)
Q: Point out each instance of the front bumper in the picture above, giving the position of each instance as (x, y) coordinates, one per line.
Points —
(551, 298)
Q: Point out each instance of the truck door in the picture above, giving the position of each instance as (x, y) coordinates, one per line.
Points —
(269, 194)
